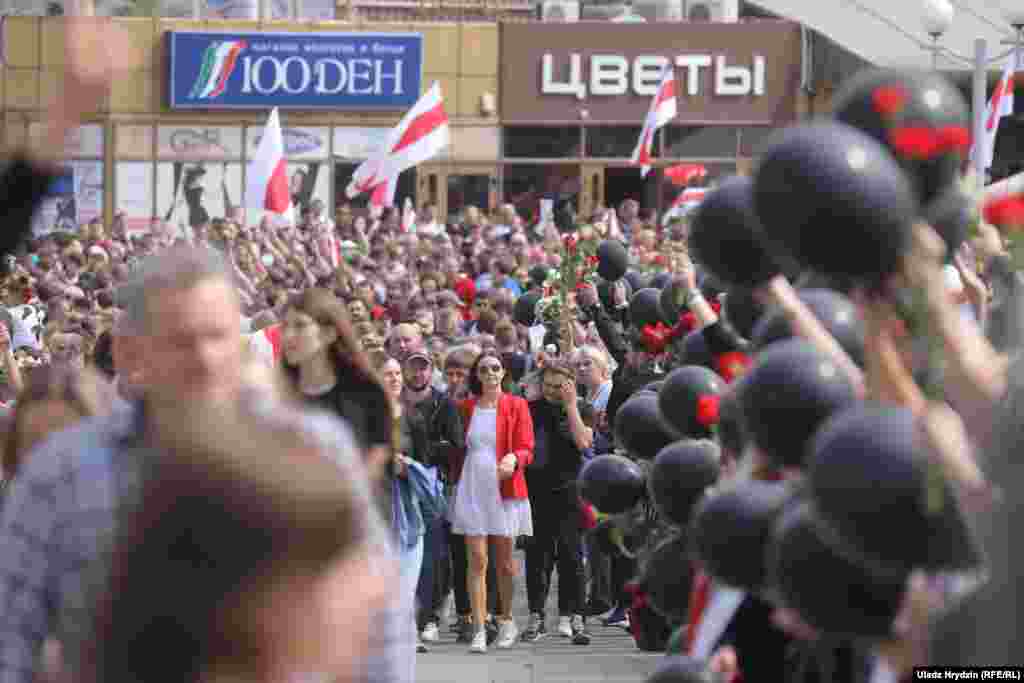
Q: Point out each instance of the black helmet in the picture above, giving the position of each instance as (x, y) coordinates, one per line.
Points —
(829, 592)
(837, 314)
(612, 260)
(688, 401)
(727, 238)
(870, 483)
(639, 427)
(918, 115)
(836, 200)
(644, 308)
(731, 530)
(681, 474)
(666, 577)
(790, 391)
(612, 483)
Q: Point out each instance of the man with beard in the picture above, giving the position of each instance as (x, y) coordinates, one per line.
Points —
(445, 436)
(562, 433)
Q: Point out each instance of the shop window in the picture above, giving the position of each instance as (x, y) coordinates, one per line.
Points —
(468, 190)
(541, 142)
(343, 174)
(754, 138)
(74, 198)
(614, 142)
(701, 141)
(134, 194)
(525, 185)
(191, 193)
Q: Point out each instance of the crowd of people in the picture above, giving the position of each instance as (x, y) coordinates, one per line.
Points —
(774, 439)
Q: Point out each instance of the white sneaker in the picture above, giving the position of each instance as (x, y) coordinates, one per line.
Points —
(508, 634)
(479, 645)
(565, 627)
(431, 634)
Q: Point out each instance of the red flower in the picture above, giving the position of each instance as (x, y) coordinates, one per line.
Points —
(955, 138)
(689, 321)
(707, 410)
(570, 243)
(1005, 212)
(660, 259)
(593, 260)
(655, 337)
(916, 143)
(732, 365)
(716, 306)
(889, 100)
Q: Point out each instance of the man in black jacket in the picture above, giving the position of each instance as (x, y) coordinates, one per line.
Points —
(445, 434)
(562, 436)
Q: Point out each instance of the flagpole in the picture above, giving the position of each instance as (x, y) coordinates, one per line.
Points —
(980, 94)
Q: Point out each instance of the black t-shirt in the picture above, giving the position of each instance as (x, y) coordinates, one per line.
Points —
(556, 459)
(363, 406)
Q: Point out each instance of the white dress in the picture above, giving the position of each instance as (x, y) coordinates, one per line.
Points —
(478, 508)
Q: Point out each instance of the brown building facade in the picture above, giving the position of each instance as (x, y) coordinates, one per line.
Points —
(535, 109)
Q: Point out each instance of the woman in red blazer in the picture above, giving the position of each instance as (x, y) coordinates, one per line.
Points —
(491, 500)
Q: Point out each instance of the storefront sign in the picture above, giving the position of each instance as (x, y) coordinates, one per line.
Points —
(606, 73)
(299, 143)
(377, 71)
(194, 143)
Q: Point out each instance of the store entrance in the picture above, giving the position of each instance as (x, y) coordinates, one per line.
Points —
(625, 182)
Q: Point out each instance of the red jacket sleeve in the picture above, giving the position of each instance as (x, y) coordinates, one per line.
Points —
(521, 438)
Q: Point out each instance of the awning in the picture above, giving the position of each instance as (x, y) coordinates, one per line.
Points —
(889, 33)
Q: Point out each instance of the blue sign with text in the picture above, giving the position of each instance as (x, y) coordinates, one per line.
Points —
(294, 70)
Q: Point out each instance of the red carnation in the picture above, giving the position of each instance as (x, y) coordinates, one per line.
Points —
(655, 337)
(707, 410)
(593, 260)
(716, 306)
(732, 365)
(889, 100)
(955, 138)
(689, 321)
(659, 259)
(570, 243)
(1006, 213)
(916, 143)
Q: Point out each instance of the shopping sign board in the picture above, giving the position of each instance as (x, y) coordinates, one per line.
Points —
(726, 74)
(366, 71)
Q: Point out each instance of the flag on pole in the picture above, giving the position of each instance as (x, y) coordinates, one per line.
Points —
(266, 185)
(662, 111)
(999, 106)
(420, 136)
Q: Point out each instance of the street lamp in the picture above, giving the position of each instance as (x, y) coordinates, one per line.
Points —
(937, 17)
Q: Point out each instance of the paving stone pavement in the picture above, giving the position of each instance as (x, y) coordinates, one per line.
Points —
(611, 657)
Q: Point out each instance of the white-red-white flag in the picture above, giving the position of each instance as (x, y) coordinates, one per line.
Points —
(383, 194)
(999, 106)
(266, 183)
(420, 136)
(662, 111)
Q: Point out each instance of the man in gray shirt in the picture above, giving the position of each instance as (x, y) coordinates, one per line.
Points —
(179, 343)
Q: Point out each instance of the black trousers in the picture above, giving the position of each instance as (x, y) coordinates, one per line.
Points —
(460, 573)
(557, 538)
